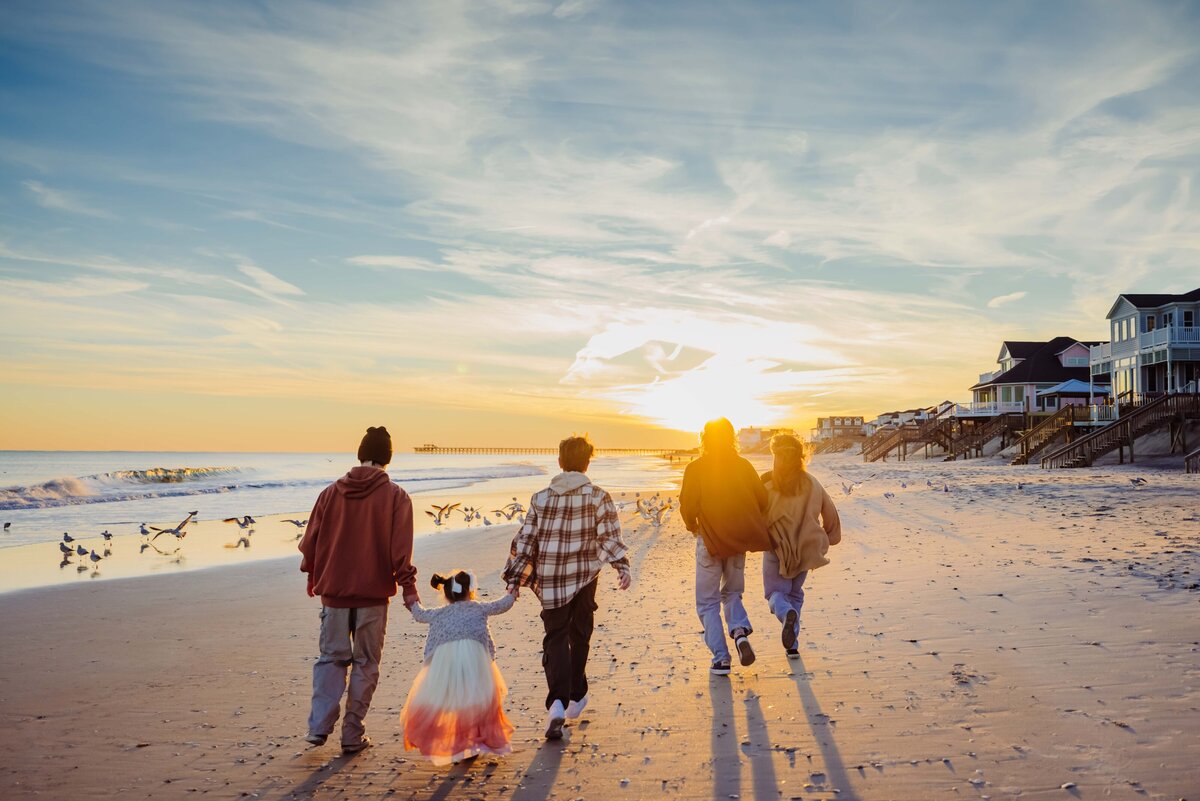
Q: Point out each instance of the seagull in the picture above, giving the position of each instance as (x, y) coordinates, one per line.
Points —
(298, 523)
(928, 482)
(945, 488)
(1020, 486)
(79, 549)
(889, 495)
(903, 485)
(107, 535)
(7, 526)
(1138, 481)
(442, 513)
(145, 530)
(67, 549)
(178, 532)
(95, 557)
(244, 522)
(67, 537)
(487, 522)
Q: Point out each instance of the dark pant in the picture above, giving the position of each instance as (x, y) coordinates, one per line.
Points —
(566, 644)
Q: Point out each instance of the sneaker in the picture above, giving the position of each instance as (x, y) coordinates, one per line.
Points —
(793, 653)
(575, 708)
(789, 630)
(354, 748)
(555, 716)
(720, 667)
(316, 739)
(745, 652)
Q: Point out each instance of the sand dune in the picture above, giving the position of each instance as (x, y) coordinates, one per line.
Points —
(981, 642)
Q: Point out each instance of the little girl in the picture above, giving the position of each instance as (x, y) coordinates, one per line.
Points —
(802, 523)
(455, 707)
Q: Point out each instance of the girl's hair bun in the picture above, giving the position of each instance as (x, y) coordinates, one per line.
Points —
(437, 580)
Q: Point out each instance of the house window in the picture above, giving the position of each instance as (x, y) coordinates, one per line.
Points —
(1149, 323)
(1189, 318)
(1019, 394)
(1168, 319)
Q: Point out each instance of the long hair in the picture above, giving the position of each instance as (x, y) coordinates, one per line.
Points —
(789, 473)
(718, 438)
(457, 587)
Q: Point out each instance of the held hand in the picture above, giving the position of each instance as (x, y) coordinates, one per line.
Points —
(624, 580)
(311, 594)
(514, 590)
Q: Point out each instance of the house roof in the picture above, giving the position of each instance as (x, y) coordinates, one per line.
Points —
(1155, 300)
(1020, 349)
(1074, 386)
(1041, 366)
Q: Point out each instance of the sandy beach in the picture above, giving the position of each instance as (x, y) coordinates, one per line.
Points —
(972, 639)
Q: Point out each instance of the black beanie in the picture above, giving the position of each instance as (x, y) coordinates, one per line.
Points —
(376, 446)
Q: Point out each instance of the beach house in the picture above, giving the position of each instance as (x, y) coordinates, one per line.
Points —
(837, 427)
(1155, 345)
(1025, 373)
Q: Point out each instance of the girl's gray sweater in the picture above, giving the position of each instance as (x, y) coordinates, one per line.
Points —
(462, 620)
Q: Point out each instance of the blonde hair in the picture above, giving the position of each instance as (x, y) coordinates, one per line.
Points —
(718, 437)
(575, 453)
(789, 473)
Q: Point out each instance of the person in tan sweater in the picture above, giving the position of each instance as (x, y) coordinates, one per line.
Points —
(802, 523)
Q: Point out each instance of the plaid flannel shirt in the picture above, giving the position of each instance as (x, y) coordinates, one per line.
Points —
(565, 541)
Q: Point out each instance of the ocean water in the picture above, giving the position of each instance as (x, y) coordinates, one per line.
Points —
(44, 493)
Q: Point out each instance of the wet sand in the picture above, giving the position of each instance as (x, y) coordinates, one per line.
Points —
(971, 639)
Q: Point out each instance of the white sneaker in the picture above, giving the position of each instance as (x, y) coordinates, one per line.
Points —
(555, 716)
(575, 708)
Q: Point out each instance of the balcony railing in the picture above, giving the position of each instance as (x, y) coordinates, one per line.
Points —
(1172, 335)
(1100, 353)
(988, 408)
(986, 377)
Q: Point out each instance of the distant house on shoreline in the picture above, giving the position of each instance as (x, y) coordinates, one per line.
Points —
(758, 440)
(1029, 368)
(833, 427)
(1155, 344)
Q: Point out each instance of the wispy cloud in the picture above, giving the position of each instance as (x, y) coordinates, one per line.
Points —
(62, 200)
(1001, 300)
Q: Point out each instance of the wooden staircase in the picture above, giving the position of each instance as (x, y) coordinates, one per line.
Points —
(999, 426)
(1192, 461)
(1173, 407)
(935, 431)
(1046, 432)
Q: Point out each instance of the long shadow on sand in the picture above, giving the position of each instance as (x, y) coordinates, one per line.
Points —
(458, 777)
(726, 761)
(538, 782)
(308, 787)
(760, 752)
(818, 721)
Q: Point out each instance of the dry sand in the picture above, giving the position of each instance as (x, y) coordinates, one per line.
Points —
(981, 642)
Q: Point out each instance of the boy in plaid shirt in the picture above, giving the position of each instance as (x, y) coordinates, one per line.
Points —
(570, 532)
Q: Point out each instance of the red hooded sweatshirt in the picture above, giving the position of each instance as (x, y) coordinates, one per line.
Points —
(358, 545)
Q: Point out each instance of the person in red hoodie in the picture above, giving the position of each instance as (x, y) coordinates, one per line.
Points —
(357, 550)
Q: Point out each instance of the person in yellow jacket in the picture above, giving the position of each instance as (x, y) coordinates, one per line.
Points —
(802, 523)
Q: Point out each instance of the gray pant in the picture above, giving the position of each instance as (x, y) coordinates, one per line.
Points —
(720, 583)
(783, 594)
(349, 637)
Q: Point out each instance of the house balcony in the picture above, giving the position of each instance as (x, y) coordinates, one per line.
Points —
(1172, 335)
(988, 408)
(1101, 353)
(986, 377)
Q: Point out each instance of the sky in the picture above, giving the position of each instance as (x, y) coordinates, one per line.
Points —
(267, 225)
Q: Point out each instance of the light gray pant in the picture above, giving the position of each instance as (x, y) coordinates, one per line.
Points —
(349, 637)
(783, 594)
(720, 584)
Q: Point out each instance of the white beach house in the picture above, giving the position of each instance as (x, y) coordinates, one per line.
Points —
(1026, 369)
(833, 427)
(1155, 345)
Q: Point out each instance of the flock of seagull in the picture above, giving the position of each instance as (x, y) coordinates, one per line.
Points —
(512, 512)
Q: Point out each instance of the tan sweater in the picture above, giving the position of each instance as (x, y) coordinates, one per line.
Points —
(802, 527)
